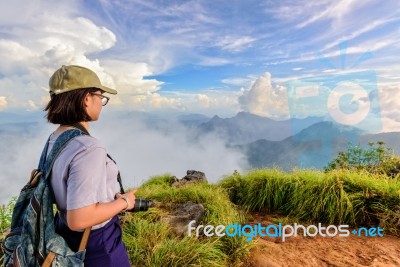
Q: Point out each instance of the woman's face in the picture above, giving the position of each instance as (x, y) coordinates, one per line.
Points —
(93, 105)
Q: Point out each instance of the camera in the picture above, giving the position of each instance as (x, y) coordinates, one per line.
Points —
(142, 204)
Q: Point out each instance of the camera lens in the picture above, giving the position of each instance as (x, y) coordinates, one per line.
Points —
(142, 204)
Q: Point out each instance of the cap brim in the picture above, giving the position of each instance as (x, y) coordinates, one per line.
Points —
(108, 90)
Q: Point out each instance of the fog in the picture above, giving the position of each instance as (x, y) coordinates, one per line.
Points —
(141, 147)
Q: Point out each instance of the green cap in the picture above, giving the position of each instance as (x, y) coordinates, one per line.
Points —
(68, 78)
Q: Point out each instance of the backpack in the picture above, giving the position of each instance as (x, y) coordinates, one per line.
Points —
(33, 240)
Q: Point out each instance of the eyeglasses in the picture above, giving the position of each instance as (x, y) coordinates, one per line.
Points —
(104, 99)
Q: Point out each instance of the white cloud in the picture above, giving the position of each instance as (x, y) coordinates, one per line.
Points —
(213, 61)
(154, 101)
(389, 97)
(238, 81)
(235, 44)
(297, 69)
(31, 105)
(128, 78)
(47, 40)
(265, 100)
(390, 125)
(335, 10)
(206, 101)
(64, 38)
(141, 151)
(15, 57)
(3, 102)
(363, 29)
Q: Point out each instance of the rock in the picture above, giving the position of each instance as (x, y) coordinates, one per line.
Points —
(182, 214)
(191, 177)
(195, 176)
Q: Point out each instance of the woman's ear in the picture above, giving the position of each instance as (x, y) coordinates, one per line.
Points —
(86, 99)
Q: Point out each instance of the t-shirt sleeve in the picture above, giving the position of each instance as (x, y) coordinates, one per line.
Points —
(87, 178)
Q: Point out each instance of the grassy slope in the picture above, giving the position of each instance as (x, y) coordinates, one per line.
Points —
(151, 243)
(357, 199)
(340, 197)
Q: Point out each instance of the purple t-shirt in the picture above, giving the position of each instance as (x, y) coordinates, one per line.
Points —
(82, 175)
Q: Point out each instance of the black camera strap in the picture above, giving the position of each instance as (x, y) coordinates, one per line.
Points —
(119, 179)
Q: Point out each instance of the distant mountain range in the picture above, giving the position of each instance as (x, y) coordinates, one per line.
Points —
(313, 147)
(246, 128)
(305, 143)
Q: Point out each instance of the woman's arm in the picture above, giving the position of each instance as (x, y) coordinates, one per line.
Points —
(79, 219)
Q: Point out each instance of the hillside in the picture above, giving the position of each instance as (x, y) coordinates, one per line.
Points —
(313, 147)
(309, 197)
(159, 236)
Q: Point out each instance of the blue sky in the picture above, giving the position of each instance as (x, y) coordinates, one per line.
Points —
(210, 57)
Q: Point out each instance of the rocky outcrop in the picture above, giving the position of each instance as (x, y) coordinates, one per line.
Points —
(191, 177)
(182, 214)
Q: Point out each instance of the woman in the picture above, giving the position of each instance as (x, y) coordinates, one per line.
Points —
(83, 176)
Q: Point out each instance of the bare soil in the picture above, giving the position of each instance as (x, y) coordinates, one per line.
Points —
(323, 251)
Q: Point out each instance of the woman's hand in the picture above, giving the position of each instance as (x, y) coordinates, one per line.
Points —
(129, 197)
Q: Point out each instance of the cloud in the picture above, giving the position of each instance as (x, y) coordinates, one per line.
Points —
(334, 10)
(128, 78)
(389, 97)
(154, 101)
(265, 100)
(297, 69)
(206, 101)
(14, 56)
(213, 61)
(32, 47)
(164, 37)
(47, 40)
(142, 149)
(21, 147)
(239, 81)
(164, 147)
(235, 44)
(3, 102)
(31, 105)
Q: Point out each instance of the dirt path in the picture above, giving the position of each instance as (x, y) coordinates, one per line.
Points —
(325, 251)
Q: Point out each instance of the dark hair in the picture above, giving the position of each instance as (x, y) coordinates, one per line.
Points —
(68, 108)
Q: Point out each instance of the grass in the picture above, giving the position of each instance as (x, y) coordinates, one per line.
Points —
(5, 216)
(337, 197)
(151, 242)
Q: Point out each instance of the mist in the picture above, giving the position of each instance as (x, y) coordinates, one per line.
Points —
(141, 147)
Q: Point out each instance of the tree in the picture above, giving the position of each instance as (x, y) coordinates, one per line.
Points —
(377, 158)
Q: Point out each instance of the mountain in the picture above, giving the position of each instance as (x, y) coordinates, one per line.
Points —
(192, 119)
(246, 127)
(313, 147)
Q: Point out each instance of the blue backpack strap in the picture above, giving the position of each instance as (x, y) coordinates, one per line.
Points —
(43, 155)
(46, 162)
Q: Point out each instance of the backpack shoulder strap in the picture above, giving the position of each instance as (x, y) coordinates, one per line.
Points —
(61, 142)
